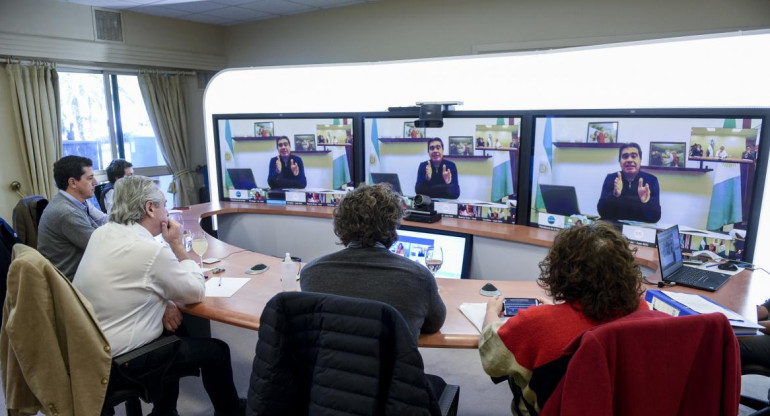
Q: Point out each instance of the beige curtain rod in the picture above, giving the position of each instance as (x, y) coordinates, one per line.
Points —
(74, 65)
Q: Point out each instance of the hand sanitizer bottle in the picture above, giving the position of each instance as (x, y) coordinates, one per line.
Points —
(288, 274)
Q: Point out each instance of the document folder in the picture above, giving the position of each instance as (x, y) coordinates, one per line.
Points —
(661, 301)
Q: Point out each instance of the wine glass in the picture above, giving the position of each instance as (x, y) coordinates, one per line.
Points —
(199, 244)
(434, 258)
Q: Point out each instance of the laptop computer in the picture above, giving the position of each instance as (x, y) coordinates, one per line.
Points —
(560, 199)
(242, 178)
(672, 269)
(391, 178)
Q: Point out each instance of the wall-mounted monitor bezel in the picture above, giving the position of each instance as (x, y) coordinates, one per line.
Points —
(751, 219)
(520, 167)
(274, 119)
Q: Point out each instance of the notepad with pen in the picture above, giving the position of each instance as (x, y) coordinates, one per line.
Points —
(683, 304)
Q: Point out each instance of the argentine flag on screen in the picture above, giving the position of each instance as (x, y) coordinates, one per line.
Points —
(373, 152)
(726, 206)
(229, 155)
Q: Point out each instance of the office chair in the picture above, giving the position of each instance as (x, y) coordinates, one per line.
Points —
(49, 327)
(650, 363)
(26, 218)
(762, 407)
(321, 354)
(99, 191)
(8, 239)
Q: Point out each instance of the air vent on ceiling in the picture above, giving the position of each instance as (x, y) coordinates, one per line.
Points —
(108, 25)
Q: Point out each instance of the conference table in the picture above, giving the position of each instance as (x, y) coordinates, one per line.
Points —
(741, 293)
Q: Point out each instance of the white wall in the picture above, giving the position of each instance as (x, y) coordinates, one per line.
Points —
(63, 32)
(409, 29)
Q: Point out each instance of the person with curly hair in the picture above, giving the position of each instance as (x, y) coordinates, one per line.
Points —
(593, 279)
(366, 222)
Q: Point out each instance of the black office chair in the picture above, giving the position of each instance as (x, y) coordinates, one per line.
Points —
(8, 239)
(326, 354)
(40, 298)
(131, 380)
(762, 407)
(99, 191)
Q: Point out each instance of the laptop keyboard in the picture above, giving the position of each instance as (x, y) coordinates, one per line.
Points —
(691, 276)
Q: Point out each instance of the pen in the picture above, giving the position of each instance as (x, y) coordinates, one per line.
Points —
(220, 280)
(712, 265)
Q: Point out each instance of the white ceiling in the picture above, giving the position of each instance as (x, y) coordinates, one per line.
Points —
(220, 12)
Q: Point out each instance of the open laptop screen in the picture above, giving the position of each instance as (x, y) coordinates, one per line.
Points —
(669, 251)
(390, 178)
(242, 178)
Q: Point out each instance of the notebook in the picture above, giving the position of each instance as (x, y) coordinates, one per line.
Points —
(672, 269)
(559, 199)
(242, 178)
(391, 178)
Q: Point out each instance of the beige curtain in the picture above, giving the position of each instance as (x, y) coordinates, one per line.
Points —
(35, 102)
(166, 106)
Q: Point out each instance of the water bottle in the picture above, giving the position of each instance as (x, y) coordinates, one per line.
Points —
(289, 274)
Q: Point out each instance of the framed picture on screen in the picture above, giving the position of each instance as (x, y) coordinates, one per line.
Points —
(602, 132)
(460, 145)
(263, 129)
(412, 132)
(304, 142)
(668, 154)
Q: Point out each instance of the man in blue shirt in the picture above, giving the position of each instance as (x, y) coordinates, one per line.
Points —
(70, 218)
(437, 178)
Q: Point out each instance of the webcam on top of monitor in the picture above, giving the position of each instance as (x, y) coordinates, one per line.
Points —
(432, 113)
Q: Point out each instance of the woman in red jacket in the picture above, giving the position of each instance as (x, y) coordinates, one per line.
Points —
(591, 274)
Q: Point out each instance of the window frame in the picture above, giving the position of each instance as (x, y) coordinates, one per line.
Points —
(115, 128)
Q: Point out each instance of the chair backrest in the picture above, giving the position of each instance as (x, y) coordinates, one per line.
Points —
(99, 191)
(651, 363)
(49, 326)
(26, 218)
(322, 354)
(8, 239)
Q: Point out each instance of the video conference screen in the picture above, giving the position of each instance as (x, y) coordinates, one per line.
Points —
(471, 172)
(413, 243)
(306, 160)
(697, 172)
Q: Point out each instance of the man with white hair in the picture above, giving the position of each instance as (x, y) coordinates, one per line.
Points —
(131, 280)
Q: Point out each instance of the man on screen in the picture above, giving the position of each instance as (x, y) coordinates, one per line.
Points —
(630, 194)
(286, 170)
(437, 178)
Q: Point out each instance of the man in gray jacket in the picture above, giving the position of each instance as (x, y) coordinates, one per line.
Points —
(69, 219)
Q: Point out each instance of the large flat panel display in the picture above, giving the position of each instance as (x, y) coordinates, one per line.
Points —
(254, 166)
(697, 172)
(474, 176)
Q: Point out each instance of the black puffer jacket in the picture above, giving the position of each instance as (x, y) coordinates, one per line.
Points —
(322, 354)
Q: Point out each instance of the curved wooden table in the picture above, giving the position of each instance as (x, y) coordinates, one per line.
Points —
(741, 293)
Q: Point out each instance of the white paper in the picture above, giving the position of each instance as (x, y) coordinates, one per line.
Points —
(701, 305)
(224, 287)
(475, 312)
